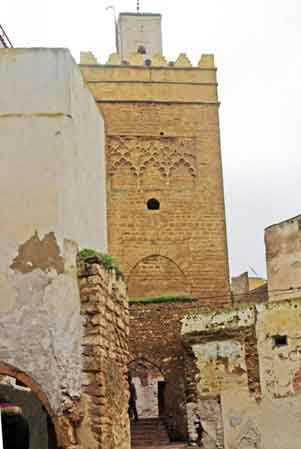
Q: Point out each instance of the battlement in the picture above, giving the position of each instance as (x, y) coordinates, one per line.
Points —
(137, 59)
(153, 79)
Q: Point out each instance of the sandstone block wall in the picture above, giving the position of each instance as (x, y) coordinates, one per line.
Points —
(105, 390)
(163, 143)
(283, 256)
(243, 376)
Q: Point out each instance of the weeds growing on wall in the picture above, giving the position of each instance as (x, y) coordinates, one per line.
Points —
(91, 256)
(163, 299)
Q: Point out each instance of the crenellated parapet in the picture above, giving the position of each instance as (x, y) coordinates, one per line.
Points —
(144, 78)
(157, 60)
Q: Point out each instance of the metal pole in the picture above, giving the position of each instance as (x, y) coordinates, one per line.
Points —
(116, 29)
(4, 37)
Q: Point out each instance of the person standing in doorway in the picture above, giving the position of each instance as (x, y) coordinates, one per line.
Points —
(132, 399)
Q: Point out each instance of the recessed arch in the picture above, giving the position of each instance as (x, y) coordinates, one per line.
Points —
(156, 275)
(146, 363)
(23, 378)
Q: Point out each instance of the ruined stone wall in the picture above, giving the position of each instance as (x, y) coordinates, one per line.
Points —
(163, 143)
(105, 391)
(243, 376)
(283, 256)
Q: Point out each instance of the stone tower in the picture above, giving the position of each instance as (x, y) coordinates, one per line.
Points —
(139, 33)
(166, 218)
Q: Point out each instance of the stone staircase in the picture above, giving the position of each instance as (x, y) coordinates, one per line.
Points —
(151, 433)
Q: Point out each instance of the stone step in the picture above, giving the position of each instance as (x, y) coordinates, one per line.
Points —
(149, 433)
(163, 439)
(166, 446)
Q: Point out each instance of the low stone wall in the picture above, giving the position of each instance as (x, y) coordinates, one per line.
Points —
(243, 376)
(104, 308)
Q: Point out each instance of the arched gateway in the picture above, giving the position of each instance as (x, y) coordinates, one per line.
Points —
(30, 402)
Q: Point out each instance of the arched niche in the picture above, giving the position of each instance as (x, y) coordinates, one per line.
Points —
(156, 275)
(52, 424)
(123, 177)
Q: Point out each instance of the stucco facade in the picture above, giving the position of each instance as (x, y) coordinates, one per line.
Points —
(47, 171)
(283, 256)
(139, 32)
(243, 376)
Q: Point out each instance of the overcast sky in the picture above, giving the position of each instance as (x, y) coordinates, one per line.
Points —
(257, 49)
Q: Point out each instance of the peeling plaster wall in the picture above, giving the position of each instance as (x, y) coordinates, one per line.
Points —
(283, 255)
(280, 366)
(260, 410)
(221, 364)
(52, 195)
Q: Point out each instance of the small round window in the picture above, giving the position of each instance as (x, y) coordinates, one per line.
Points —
(153, 204)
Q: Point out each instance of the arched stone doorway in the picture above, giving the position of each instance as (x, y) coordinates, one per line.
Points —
(149, 382)
(19, 389)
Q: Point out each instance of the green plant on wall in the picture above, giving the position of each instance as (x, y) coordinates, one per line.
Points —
(162, 299)
(89, 255)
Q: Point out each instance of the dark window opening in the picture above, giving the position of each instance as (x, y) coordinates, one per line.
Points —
(280, 340)
(153, 204)
(141, 49)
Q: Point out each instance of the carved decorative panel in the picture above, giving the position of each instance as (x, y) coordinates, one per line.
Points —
(150, 162)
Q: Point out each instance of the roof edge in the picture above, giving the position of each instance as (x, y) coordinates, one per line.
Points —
(297, 217)
(140, 14)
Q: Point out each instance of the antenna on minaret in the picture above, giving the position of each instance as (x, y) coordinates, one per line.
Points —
(116, 26)
(138, 6)
(4, 39)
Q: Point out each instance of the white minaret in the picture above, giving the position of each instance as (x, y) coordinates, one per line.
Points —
(139, 33)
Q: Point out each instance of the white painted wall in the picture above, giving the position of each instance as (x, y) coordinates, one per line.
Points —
(52, 180)
(140, 29)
